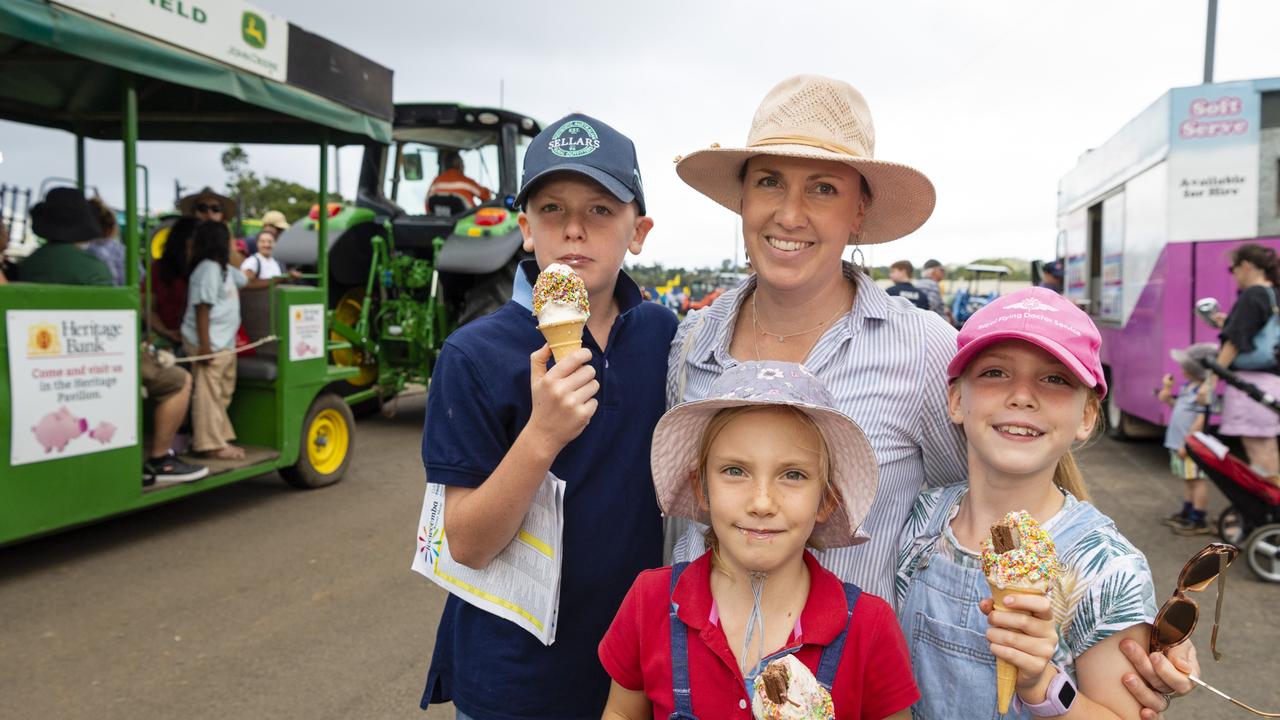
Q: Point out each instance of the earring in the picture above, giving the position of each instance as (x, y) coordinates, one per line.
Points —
(859, 262)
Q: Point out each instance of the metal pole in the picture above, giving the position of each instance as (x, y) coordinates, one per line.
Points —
(1211, 31)
(80, 161)
(322, 221)
(131, 184)
(337, 169)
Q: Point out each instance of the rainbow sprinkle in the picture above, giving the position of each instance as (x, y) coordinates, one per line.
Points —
(566, 288)
(1035, 562)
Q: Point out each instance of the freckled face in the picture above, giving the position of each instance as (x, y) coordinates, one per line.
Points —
(765, 489)
(573, 220)
(797, 215)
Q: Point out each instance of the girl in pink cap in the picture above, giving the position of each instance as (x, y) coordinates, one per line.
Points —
(1025, 385)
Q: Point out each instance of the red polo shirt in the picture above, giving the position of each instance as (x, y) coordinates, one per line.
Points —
(873, 680)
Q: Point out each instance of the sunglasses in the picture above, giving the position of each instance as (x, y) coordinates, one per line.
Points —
(201, 207)
(1177, 620)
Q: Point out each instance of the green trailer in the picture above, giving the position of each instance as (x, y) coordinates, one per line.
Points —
(75, 423)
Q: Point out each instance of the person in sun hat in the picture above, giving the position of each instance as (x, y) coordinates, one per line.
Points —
(773, 468)
(208, 205)
(807, 184)
(66, 221)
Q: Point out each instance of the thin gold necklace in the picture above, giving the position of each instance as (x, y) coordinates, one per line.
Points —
(760, 330)
(755, 325)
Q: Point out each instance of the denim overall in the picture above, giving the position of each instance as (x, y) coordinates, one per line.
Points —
(945, 630)
(683, 707)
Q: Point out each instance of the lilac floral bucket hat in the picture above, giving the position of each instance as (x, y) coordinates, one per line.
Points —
(854, 473)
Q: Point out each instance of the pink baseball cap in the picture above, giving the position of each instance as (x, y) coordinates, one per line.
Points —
(1043, 318)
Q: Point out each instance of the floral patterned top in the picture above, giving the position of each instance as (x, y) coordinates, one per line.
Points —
(1105, 586)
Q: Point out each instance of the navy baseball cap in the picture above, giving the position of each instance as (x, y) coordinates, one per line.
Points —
(581, 144)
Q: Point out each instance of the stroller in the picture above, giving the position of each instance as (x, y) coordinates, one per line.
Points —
(1252, 521)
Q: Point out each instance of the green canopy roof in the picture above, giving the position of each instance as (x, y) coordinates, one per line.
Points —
(62, 69)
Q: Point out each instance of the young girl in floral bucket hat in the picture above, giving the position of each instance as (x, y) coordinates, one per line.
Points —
(757, 626)
(1026, 385)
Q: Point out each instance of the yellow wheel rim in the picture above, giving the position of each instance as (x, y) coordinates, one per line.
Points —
(348, 313)
(328, 439)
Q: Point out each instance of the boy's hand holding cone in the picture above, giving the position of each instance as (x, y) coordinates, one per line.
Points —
(1020, 563)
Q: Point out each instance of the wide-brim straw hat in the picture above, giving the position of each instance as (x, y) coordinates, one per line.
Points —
(275, 219)
(187, 205)
(810, 116)
(853, 471)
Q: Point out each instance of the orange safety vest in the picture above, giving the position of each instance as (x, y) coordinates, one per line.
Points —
(454, 183)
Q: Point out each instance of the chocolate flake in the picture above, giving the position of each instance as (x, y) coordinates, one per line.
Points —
(1004, 538)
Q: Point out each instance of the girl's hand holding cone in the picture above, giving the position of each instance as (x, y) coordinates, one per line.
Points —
(1024, 634)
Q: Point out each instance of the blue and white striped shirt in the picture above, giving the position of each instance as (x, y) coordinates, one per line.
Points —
(886, 365)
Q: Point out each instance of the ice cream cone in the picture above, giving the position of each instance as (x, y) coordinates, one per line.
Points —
(1006, 673)
(563, 337)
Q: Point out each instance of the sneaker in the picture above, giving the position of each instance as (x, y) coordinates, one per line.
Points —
(1189, 527)
(1177, 519)
(171, 469)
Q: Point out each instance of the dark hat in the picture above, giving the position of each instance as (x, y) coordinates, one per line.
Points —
(1053, 267)
(931, 264)
(64, 217)
(187, 205)
(581, 144)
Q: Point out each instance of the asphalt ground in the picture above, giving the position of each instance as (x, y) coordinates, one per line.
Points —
(260, 601)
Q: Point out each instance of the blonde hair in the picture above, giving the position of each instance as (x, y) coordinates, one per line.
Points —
(1067, 475)
(831, 496)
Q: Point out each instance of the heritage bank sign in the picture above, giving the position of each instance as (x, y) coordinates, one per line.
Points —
(229, 31)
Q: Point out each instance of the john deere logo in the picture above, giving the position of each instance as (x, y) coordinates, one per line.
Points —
(574, 139)
(42, 339)
(254, 30)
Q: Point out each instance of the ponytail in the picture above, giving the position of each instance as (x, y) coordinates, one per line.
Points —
(1261, 257)
(1067, 475)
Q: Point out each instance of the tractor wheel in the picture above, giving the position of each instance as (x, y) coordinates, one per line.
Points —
(347, 312)
(1263, 551)
(328, 433)
(489, 293)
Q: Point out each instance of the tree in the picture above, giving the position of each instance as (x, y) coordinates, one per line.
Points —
(256, 196)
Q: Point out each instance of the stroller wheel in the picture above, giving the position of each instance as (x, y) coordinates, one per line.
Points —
(1232, 527)
(1263, 551)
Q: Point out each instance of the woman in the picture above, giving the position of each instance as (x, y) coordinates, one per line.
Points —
(1257, 273)
(107, 246)
(807, 184)
(169, 282)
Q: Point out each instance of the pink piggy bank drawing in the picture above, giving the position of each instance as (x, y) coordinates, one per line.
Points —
(103, 432)
(58, 428)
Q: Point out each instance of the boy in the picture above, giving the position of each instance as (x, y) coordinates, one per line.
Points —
(900, 273)
(1187, 417)
(498, 419)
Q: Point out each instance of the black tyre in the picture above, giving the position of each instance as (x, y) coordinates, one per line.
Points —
(1232, 526)
(327, 442)
(489, 293)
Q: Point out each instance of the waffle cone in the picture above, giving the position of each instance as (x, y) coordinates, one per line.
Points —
(563, 337)
(1006, 673)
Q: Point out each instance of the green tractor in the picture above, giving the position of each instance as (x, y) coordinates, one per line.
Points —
(405, 267)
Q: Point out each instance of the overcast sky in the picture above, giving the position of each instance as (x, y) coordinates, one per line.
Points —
(993, 100)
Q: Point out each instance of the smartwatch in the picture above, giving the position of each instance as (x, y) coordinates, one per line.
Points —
(1057, 699)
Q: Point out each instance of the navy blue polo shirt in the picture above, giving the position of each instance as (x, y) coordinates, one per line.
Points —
(910, 292)
(478, 403)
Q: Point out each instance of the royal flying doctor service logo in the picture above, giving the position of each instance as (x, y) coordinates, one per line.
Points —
(574, 139)
(1030, 304)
